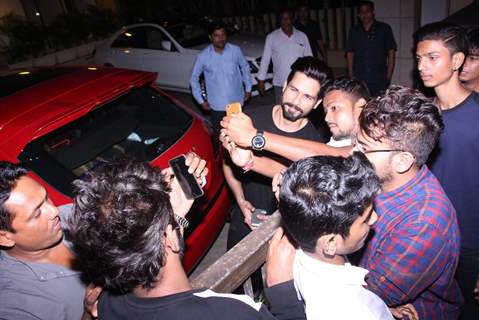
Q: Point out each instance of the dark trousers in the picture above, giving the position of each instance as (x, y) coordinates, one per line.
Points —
(466, 276)
(215, 118)
(237, 231)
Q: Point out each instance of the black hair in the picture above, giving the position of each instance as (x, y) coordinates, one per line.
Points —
(286, 10)
(406, 119)
(452, 35)
(9, 175)
(324, 195)
(473, 40)
(311, 67)
(366, 3)
(356, 88)
(121, 211)
(216, 25)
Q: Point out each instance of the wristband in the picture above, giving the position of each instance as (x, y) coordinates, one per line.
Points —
(182, 221)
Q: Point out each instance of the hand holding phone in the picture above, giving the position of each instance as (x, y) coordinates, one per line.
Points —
(258, 217)
(233, 108)
(187, 181)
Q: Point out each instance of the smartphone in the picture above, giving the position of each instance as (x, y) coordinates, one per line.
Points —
(233, 108)
(187, 181)
(255, 222)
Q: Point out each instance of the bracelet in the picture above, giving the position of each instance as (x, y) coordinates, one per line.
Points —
(182, 221)
(249, 165)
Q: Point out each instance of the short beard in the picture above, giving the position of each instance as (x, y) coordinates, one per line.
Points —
(291, 117)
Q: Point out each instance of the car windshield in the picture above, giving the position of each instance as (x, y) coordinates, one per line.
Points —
(190, 35)
(141, 124)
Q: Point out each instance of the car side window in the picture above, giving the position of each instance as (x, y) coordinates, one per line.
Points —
(157, 40)
(131, 38)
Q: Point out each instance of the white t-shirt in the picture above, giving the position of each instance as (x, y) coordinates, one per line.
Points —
(335, 292)
(284, 51)
(339, 143)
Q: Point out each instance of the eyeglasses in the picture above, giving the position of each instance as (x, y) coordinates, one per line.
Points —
(381, 150)
(360, 148)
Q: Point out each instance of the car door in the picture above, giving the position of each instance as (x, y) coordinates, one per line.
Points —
(128, 48)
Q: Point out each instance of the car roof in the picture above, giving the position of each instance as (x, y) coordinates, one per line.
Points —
(39, 107)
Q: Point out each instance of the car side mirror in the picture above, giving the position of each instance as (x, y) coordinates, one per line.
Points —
(166, 45)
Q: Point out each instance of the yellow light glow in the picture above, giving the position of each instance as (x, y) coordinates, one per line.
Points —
(92, 68)
(128, 34)
(23, 73)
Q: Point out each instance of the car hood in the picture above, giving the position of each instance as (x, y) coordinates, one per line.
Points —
(251, 45)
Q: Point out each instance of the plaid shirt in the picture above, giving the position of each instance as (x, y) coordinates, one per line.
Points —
(413, 254)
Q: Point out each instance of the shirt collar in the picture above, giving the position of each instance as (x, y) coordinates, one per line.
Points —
(406, 188)
(340, 274)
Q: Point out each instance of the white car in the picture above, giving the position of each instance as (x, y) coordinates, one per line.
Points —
(171, 51)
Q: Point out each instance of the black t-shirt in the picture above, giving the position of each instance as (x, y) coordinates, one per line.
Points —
(256, 187)
(370, 50)
(202, 304)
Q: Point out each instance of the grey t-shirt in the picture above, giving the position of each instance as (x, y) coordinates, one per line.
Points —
(39, 290)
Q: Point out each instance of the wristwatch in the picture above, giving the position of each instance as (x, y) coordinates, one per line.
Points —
(258, 141)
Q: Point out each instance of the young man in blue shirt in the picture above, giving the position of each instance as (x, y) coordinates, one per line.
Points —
(226, 72)
(440, 52)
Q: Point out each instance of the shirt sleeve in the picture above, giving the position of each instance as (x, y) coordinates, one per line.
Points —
(266, 58)
(307, 51)
(407, 262)
(195, 79)
(245, 71)
(284, 304)
(390, 42)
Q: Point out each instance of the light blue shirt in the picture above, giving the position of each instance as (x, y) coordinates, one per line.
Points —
(225, 73)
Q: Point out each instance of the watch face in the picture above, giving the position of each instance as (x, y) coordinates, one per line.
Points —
(258, 142)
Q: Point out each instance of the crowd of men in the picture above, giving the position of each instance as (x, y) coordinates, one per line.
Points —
(380, 222)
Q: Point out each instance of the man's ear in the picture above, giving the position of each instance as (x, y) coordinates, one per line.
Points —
(171, 239)
(328, 244)
(6, 239)
(403, 161)
(457, 60)
(284, 85)
(360, 103)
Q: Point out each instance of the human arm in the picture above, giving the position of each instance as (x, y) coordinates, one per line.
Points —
(307, 50)
(265, 59)
(195, 83)
(391, 64)
(322, 51)
(476, 289)
(245, 73)
(281, 294)
(391, 48)
(241, 157)
(240, 129)
(90, 302)
(409, 259)
(350, 62)
(196, 166)
(237, 188)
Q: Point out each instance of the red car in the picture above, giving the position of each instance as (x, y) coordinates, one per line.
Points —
(61, 122)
